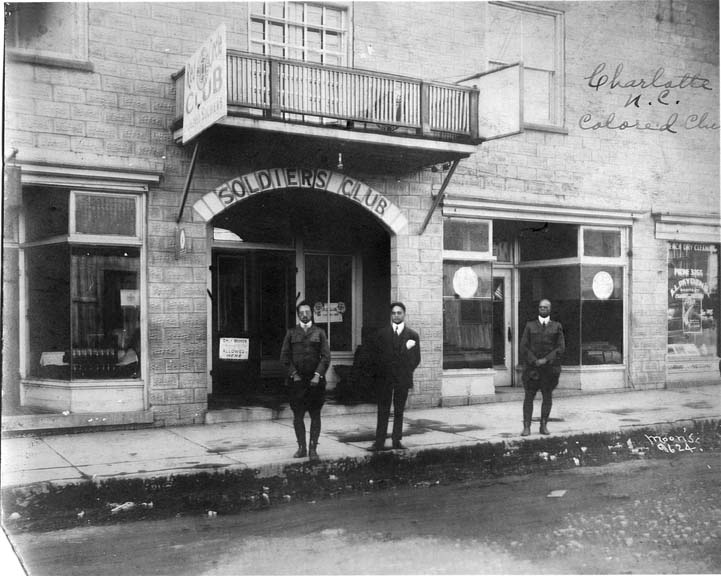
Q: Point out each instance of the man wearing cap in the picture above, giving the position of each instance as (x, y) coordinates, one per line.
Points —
(306, 355)
(541, 348)
(397, 353)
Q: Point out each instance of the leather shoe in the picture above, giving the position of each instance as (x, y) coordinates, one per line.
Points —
(398, 446)
(375, 448)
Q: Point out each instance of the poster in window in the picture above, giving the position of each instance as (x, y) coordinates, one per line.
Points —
(328, 312)
(693, 299)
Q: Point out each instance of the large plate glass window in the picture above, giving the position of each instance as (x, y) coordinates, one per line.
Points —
(467, 296)
(581, 271)
(693, 301)
(531, 35)
(82, 259)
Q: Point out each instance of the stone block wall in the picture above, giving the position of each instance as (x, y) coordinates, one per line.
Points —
(119, 114)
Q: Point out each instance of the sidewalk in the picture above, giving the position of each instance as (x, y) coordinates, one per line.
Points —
(268, 445)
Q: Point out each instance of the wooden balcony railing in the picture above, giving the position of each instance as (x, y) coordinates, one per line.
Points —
(297, 91)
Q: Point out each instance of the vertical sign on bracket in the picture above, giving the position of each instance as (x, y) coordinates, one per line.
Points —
(206, 92)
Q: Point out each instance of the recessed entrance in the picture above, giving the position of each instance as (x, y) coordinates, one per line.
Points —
(268, 254)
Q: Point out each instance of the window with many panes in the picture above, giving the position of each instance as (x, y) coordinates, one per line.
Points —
(308, 31)
(50, 30)
(532, 35)
(82, 281)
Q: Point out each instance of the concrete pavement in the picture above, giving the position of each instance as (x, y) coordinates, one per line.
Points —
(268, 445)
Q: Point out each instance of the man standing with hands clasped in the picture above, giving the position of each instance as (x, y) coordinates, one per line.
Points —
(306, 356)
(542, 346)
(397, 353)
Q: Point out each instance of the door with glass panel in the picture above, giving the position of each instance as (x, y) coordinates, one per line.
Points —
(329, 291)
(253, 304)
(502, 328)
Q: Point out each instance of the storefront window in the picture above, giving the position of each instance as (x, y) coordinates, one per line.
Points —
(467, 315)
(560, 285)
(693, 300)
(601, 315)
(329, 290)
(587, 301)
(83, 316)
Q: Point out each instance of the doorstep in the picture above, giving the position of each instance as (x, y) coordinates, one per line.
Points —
(257, 413)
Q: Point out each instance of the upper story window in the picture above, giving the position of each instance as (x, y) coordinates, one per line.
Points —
(54, 32)
(299, 31)
(533, 36)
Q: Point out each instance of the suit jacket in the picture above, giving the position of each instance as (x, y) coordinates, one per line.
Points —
(395, 362)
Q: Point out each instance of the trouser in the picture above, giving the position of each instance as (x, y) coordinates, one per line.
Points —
(388, 394)
(545, 384)
(305, 398)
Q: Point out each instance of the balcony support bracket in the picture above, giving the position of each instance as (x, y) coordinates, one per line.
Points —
(439, 197)
(188, 180)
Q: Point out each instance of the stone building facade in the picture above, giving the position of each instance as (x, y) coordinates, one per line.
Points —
(604, 198)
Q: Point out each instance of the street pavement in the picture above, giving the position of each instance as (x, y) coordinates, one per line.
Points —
(267, 446)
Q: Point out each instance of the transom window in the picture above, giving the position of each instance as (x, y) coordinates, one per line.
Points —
(531, 35)
(300, 31)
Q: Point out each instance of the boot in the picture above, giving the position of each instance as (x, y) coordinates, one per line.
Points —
(312, 453)
(543, 429)
(301, 452)
(526, 429)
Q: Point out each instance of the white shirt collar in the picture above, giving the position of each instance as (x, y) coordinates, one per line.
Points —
(398, 327)
(305, 326)
(545, 320)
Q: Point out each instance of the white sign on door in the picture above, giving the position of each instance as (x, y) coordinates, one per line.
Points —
(234, 348)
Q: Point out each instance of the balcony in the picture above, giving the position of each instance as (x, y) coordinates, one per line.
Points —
(375, 120)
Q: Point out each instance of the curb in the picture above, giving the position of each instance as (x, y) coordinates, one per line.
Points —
(45, 506)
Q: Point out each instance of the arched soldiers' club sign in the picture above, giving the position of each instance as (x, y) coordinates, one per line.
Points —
(243, 187)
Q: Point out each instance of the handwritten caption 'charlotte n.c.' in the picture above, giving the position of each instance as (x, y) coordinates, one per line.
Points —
(659, 90)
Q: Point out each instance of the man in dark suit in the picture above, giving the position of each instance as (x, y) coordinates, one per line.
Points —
(542, 346)
(397, 353)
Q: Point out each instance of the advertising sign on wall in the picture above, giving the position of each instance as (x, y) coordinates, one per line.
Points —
(206, 94)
